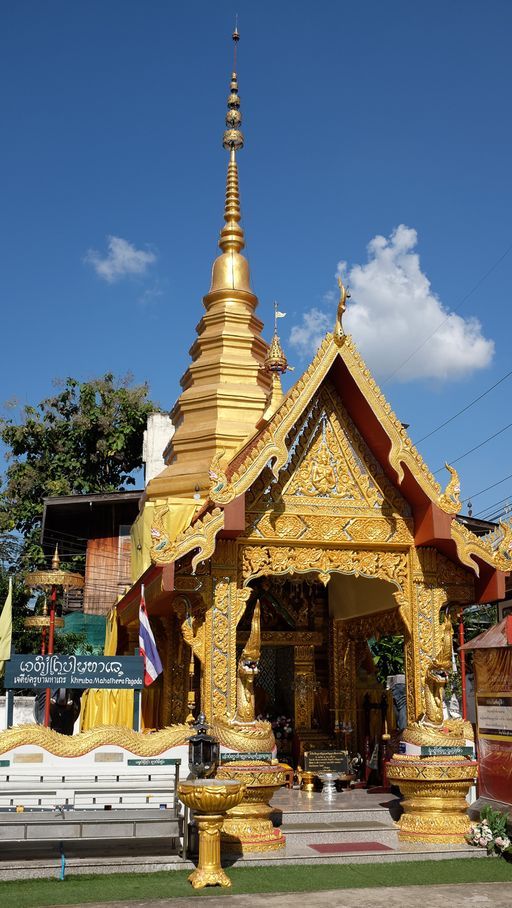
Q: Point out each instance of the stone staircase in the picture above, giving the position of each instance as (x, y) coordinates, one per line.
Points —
(350, 817)
(354, 827)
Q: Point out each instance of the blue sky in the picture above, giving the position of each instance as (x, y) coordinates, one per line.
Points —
(364, 120)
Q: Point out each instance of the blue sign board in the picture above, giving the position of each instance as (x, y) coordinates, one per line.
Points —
(74, 672)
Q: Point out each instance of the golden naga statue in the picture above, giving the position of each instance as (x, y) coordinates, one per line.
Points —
(436, 677)
(248, 668)
(244, 732)
(218, 478)
(433, 728)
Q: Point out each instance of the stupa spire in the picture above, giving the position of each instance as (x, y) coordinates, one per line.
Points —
(231, 269)
(232, 235)
(226, 387)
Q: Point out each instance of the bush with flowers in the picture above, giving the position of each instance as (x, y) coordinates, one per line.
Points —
(491, 833)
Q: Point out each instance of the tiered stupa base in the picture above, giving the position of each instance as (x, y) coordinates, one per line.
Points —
(248, 827)
(434, 789)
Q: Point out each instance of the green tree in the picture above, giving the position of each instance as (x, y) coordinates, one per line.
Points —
(85, 439)
(388, 656)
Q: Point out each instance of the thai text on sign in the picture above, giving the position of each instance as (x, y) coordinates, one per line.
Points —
(74, 672)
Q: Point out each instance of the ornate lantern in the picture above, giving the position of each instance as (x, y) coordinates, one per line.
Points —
(203, 751)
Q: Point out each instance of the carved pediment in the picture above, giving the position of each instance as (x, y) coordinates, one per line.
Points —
(329, 464)
(331, 487)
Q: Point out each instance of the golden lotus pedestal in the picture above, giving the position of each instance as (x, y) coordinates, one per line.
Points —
(248, 827)
(435, 789)
(209, 799)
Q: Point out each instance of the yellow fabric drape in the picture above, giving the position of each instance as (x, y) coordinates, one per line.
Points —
(107, 707)
(6, 629)
(110, 646)
(178, 516)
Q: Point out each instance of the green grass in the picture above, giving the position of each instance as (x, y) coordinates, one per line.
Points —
(79, 890)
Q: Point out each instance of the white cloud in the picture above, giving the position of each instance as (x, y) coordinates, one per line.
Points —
(393, 311)
(150, 295)
(122, 259)
(307, 337)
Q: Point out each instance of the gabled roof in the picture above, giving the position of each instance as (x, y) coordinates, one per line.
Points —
(434, 509)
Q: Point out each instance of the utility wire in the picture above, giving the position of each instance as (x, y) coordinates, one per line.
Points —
(467, 407)
(481, 492)
(491, 507)
(471, 450)
(456, 309)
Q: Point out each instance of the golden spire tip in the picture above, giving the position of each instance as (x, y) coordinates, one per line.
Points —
(233, 139)
(56, 559)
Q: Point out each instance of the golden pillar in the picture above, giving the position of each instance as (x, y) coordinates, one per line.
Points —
(225, 604)
(305, 684)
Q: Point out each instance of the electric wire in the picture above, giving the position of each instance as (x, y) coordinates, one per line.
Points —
(476, 448)
(491, 508)
(487, 488)
(467, 407)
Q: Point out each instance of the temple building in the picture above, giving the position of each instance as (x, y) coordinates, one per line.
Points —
(287, 530)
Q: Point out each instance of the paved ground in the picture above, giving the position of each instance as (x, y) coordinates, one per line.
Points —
(464, 895)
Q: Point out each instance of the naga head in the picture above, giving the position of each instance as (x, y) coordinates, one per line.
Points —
(437, 672)
(249, 660)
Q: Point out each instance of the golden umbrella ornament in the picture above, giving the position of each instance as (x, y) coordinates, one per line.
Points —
(44, 580)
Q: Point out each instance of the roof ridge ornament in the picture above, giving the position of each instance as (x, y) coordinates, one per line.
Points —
(339, 331)
(450, 501)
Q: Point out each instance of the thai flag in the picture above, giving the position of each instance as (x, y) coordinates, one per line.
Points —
(147, 645)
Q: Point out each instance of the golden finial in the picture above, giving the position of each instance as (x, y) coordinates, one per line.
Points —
(232, 235)
(56, 559)
(339, 332)
(233, 138)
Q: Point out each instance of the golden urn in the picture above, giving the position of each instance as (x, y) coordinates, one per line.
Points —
(209, 799)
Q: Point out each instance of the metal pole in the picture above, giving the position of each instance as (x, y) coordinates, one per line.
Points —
(462, 661)
(9, 708)
(51, 637)
(136, 709)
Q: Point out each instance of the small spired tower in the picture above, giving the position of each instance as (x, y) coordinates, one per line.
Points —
(276, 365)
(226, 387)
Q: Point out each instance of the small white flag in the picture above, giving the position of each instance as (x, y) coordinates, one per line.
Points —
(280, 314)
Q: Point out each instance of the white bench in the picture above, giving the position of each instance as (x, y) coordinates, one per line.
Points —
(55, 829)
(141, 787)
(66, 805)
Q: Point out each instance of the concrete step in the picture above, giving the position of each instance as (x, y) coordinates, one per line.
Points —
(295, 854)
(17, 869)
(350, 815)
(336, 833)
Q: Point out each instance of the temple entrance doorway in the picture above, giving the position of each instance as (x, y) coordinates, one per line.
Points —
(326, 652)
(368, 668)
(292, 686)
